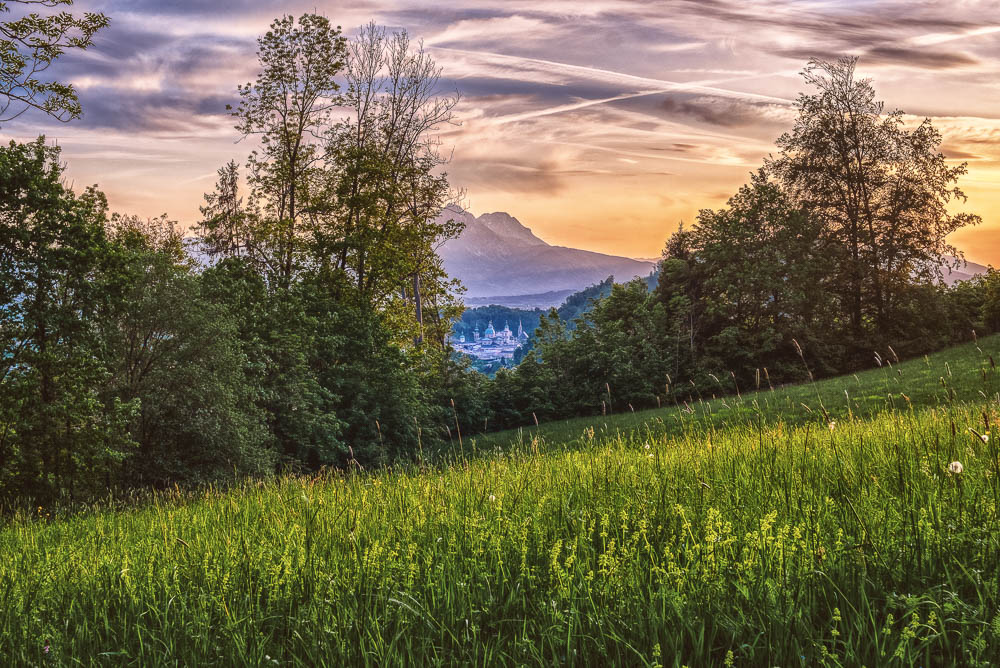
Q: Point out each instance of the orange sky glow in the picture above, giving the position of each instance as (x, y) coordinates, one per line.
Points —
(600, 125)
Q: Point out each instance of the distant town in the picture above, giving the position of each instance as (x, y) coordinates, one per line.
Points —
(491, 344)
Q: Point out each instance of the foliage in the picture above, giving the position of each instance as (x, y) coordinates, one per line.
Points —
(388, 186)
(343, 303)
(289, 108)
(57, 434)
(175, 355)
(830, 254)
(29, 45)
(880, 192)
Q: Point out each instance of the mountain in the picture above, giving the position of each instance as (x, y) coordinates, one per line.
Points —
(965, 271)
(497, 255)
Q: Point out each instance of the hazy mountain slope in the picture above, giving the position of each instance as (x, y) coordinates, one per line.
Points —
(497, 255)
(964, 272)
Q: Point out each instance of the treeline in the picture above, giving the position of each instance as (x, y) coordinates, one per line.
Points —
(317, 333)
(828, 260)
(315, 337)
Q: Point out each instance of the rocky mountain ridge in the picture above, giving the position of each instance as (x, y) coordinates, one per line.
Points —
(497, 255)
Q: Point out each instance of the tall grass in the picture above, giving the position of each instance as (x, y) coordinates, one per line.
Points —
(763, 541)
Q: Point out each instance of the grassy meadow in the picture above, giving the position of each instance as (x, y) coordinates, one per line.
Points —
(952, 375)
(820, 524)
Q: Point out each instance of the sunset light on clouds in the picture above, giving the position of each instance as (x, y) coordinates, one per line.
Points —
(600, 125)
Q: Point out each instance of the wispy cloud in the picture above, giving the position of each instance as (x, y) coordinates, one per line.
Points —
(584, 119)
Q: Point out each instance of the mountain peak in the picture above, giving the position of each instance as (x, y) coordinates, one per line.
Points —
(509, 228)
(497, 255)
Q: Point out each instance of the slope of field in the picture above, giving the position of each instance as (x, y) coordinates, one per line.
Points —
(955, 374)
(756, 534)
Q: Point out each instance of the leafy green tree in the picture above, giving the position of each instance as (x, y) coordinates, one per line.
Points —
(58, 436)
(989, 296)
(611, 360)
(388, 181)
(679, 291)
(624, 335)
(331, 254)
(29, 45)
(278, 346)
(766, 283)
(288, 108)
(177, 355)
(880, 190)
(517, 396)
(579, 303)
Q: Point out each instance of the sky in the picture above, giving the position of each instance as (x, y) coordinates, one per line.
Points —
(600, 125)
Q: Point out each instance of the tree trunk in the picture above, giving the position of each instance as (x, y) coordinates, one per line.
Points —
(419, 309)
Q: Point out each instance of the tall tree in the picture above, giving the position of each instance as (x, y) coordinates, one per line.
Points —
(679, 289)
(175, 354)
(29, 45)
(880, 189)
(766, 270)
(56, 432)
(388, 182)
(288, 109)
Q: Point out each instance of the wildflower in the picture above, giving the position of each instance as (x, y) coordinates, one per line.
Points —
(955, 468)
(647, 446)
(833, 425)
(492, 498)
(46, 649)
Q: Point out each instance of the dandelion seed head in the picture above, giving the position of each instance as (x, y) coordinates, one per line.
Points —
(955, 468)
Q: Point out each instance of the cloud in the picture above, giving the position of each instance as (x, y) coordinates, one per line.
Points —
(911, 57)
(512, 176)
(570, 110)
(153, 111)
(713, 111)
(908, 57)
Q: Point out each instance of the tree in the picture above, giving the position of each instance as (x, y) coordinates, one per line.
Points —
(175, 354)
(289, 109)
(28, 47)
(679, 290)
(389, 190)
(58, 432)
(279, 339)
(765, 272)
(879, 189)
(356, 200)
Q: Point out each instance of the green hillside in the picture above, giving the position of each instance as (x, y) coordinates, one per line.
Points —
(748, 531)
(955, 374)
